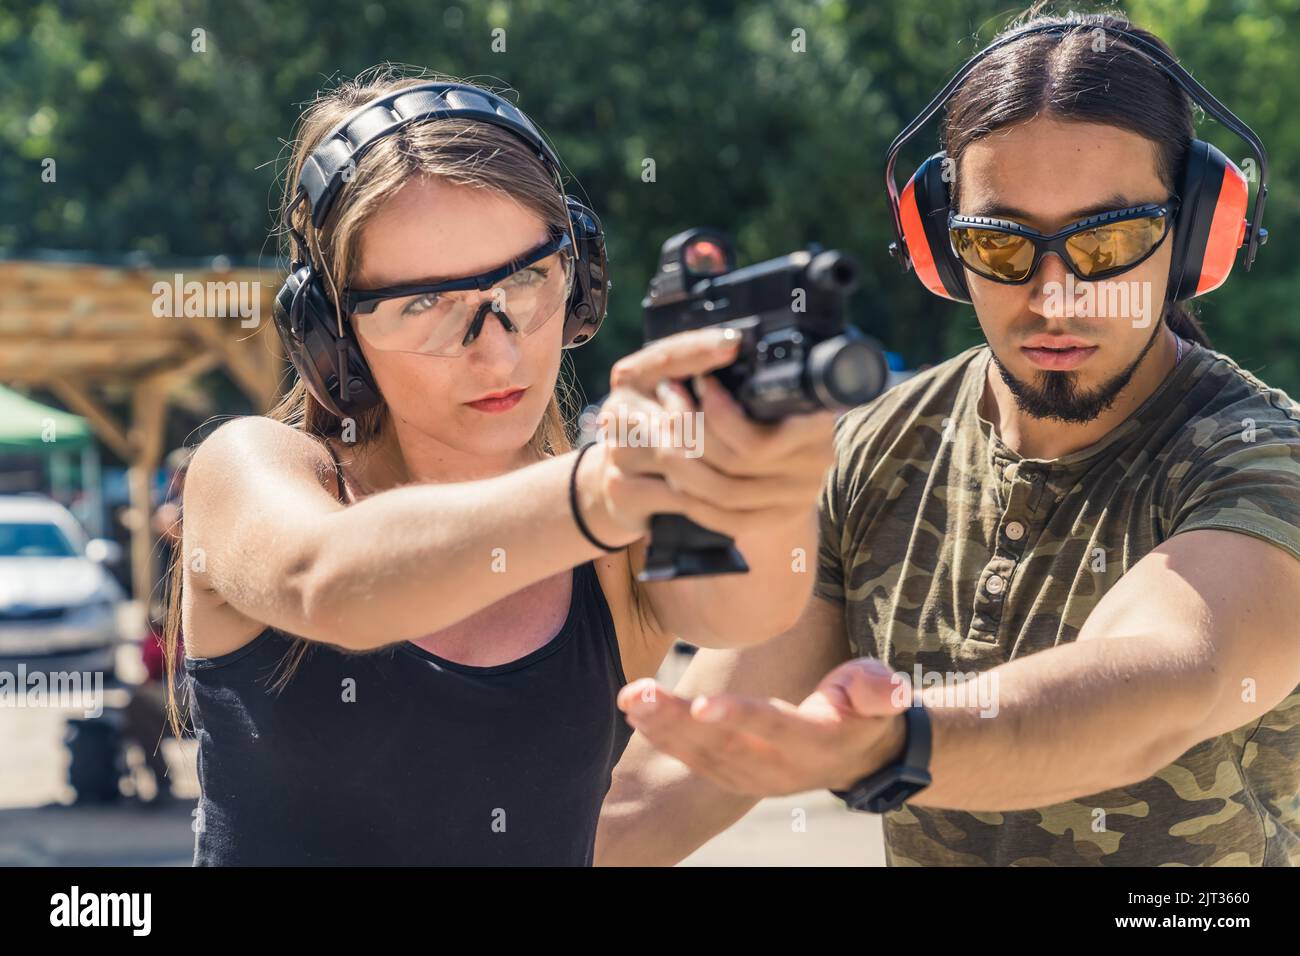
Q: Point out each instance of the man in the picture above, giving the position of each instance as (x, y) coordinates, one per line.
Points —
(1092, 521)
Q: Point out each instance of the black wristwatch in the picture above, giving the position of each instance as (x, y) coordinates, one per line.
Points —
(889, 787)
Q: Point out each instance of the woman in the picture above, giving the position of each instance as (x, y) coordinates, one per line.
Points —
(406, 622)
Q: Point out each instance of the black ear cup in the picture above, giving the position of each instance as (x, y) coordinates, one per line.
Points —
(308, 330)
(589, 299)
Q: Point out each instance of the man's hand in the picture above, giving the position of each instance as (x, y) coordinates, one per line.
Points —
(849, 726)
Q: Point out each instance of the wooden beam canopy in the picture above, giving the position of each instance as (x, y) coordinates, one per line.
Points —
(81, 328)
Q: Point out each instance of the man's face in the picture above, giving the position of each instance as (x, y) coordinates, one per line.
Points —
(1047, 174)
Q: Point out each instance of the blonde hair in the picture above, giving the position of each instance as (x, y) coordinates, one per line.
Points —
(463, 152)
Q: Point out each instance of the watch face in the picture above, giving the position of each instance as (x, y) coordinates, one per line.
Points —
(893, 795)
(888, 789)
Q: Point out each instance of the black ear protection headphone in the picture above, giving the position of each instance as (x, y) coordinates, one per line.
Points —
(1211, 223)
(320, 345)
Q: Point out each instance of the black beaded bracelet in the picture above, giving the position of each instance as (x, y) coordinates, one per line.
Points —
(573, 503)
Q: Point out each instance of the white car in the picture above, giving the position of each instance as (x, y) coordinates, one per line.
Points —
(58, 602)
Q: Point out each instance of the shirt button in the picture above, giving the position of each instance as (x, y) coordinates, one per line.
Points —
(994, 584)
(1015, 530)
(1009, 472)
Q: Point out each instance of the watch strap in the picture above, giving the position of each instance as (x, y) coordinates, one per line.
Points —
(889, 787)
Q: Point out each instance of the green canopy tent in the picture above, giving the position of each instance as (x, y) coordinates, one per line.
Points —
(29, 428)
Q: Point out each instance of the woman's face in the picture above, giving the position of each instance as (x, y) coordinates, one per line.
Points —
(433, 230)
(1046, 174)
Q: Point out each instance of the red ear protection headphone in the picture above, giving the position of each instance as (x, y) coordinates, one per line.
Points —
(324, 350)
(1210, 227)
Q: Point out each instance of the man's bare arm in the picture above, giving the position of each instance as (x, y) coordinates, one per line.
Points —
(658, 812)
(1162, 663)
(1197, 640)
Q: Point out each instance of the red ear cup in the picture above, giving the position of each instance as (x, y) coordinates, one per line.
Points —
(1211, 222)
(923, 212)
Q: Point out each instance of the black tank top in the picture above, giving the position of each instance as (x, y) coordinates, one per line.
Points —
(400, 757)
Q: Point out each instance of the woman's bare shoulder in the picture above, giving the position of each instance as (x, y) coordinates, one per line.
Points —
(246, 476)
(252, 447)
(257, 434)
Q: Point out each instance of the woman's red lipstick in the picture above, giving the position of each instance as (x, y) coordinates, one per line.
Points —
(498, 401)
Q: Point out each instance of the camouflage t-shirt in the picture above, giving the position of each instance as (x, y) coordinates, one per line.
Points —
(953, 554)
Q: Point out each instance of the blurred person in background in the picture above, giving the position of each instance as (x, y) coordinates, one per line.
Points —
(145, 715)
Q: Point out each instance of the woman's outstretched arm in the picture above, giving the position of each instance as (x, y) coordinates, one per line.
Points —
(265, 532)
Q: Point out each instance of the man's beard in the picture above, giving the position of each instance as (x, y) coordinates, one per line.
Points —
(1056, 395)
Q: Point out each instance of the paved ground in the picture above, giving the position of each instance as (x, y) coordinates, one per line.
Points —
(808, 829)
(123, 835)
(831, 836)
(40, 825)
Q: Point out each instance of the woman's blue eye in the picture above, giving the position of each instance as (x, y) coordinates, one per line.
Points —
(530, 276)
(421, 303)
